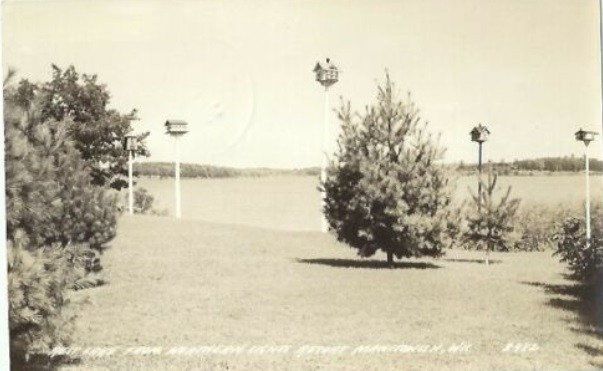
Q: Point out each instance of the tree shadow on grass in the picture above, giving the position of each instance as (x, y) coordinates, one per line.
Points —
(586, 302)
(478, 261)
(43, 363)
(369, 264)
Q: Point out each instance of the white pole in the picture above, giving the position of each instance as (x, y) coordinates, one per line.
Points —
(323, 169)
(130, 187)
(177, 175)
(587, 194)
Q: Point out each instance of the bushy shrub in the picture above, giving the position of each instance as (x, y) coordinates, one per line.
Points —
(538, 224)
(90, 216)
(457, 225)
(49, 193)
(534, 226)
(143, 201)
(39, 312)
(32, 192)
(584, 257)
(491, 221)
(384, 190)
(39, 282)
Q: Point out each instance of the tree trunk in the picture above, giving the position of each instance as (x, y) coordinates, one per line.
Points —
(390, 259)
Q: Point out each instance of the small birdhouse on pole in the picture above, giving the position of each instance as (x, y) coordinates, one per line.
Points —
(479, 134)
(131, 143)
(176, 127)
(585, 136)
(327, 73)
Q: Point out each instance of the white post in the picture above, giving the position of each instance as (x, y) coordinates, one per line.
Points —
(587, 194)
(323, 169)
(130, 188)
(177, 175)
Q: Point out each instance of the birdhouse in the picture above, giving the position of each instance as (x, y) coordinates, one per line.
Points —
(479, 133)
(130, 142)
(327, 73)
(585, 136)
(176, 127)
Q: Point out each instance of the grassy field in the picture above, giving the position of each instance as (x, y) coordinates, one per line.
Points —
(191, 284)
(293, 203)
(246, 268)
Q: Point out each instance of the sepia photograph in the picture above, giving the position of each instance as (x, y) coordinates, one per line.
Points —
(302, 185)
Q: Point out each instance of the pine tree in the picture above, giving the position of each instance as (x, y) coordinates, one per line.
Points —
(40, 316)
(491, 222)
(384, 189)
(49, 190)
(55, 215)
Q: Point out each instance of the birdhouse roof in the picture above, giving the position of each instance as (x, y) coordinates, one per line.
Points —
(175, 122)
(480, 129)
(327, 65)
(586, 131)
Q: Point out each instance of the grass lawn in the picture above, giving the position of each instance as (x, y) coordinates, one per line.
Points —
(193, 284)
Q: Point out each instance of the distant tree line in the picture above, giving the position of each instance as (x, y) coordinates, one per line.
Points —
(545, 164)
(166, 170)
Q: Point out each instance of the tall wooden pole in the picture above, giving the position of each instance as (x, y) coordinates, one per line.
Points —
(479, 182)
(479, 200)
(323, 169)
(601, 55)
(586, 160)
(130, 187)
(177, 176)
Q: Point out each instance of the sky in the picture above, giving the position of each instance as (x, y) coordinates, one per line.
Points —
(240, 72)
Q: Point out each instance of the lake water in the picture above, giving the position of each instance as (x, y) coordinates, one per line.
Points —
(293, 202)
